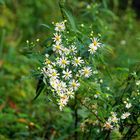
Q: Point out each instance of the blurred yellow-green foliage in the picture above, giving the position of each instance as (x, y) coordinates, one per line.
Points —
(21, 20)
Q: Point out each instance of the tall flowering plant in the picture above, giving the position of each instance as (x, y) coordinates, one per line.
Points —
(69, 68)
(66, 66)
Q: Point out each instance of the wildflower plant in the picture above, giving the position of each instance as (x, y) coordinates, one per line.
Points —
(72, 69)
(66, 67)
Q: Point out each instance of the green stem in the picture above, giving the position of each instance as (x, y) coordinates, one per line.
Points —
(61, 5)
(76, 118)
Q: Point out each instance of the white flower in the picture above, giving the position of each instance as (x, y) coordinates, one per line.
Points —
(61, 88)
(74, 84)
(61, 105)
(53, 73)
(67, 74)
(95, 72)
(113, 118)
(94, 45)
(73, 49)
(108, 126)
(108, 88)
(44, 72)
(92, 48)
(95, 42)
(138, 83)
(60, 26)
(128, 105)
(54, 83)
(57, 38)
(57, 48)
(96, 96)
(77, 61)
(70, 93)
(86, 71)
(63, 62)
(63, 101)
(125, 115)
(46, 55)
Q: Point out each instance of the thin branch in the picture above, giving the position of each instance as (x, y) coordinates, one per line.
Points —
(92, 112)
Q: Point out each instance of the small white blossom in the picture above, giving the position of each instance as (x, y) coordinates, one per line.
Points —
(61, 88)
(73, 49)
(125, 115)
(138, 83)
(67, 74)
(74, 84)
(113, 118)
(27, 41)
(70, 93)
(63, 62)
(128, 105)
(46, 55)
(37, 40)
(96, 42)
(94, 45)
(63, 101)
(96, 96)
(54, 83)
(53, 73)
(57, 38)
(108, 88)
(86, 71)
(77, 61)
(95, 72)
(60, 26)
(101, 81)
(108, 126)
(58, 48)
(92, 48)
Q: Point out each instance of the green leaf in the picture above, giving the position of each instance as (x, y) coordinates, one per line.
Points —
(71, 19)
(45, 25)
(40, 87)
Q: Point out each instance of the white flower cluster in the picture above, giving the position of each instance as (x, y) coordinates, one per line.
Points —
(113, 120)
(94, 45)
(64, 67)
(127, 105)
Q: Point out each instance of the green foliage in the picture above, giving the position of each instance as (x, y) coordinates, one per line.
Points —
(118, 67)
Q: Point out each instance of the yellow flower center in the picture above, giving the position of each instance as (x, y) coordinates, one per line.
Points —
(107, 125)
(86, 71)
(54, 74)
(73, 84)
(57, 38)
(58, 47)
(64, 97)
(95, 43)
(67, 74)
(93, 49)
(59, 27)
(64, 62)
(47, 61)
(77, 61)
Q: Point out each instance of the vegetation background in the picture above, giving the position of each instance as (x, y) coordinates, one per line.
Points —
(20, 20)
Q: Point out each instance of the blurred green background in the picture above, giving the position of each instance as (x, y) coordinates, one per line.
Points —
(22, 20)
